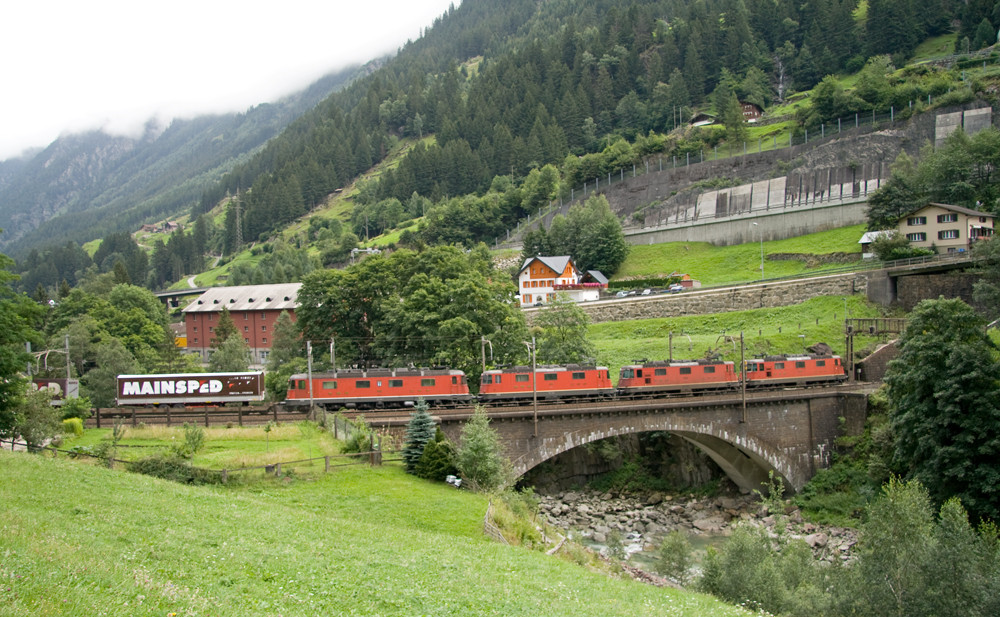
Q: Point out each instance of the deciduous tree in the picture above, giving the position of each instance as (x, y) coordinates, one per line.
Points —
(944, 404)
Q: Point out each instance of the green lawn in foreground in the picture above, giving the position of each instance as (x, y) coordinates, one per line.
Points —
(720, 265)
(624, 342)
(76, 539)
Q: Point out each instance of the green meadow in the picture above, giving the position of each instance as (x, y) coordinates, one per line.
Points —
(78, 539)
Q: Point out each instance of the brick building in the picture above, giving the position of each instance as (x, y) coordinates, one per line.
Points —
(253, 308)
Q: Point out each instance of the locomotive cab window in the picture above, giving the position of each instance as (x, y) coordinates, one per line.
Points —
(487, 379)
(426, 382)
(395, 383)
(521, 377)
(362, 383)
(579, 376)
(302, 384)
(551, 376)
(685, 370)
(627, 373)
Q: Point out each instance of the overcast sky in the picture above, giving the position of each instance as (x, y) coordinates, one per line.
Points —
(73, 65)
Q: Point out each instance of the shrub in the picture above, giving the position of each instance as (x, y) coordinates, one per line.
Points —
(76, 408)
(438, 459)
(174, 468)
(360, 438)
(73, 425)
(675, 557)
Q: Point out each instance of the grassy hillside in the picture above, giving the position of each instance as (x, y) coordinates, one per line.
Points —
(719, 265)
(359, 541)
(820, 319)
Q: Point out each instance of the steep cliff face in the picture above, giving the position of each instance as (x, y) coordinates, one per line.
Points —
(62, 178)
(84, 186)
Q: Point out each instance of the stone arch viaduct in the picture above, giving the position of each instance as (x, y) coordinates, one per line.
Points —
(790, 432)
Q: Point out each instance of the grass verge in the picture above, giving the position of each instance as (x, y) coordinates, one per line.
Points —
(81, 540)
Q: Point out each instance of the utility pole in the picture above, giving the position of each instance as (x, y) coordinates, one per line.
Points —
(743, 378)
(309, 359)
(333, 354)
(534, 384)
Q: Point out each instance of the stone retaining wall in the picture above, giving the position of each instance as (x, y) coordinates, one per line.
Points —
(742, 298)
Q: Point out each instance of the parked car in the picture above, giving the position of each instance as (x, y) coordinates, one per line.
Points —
(675, 288)
(646, 292)
(621, 294)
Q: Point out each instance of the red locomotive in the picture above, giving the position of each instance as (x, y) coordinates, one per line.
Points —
(516, 384)
(677, 377)
(805, 370)
(380, 388)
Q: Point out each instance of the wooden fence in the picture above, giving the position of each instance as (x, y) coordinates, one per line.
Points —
(373, 458)
(209, 416)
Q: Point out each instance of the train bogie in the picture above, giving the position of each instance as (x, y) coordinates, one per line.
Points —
(520, 384)
(379, 388)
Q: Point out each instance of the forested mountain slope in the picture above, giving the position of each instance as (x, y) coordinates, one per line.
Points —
(86, 186)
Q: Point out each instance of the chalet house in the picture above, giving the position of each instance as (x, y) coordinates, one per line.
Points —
(253, 308)
(702, 119)
(541, 278)
(751, 111)
(948, 228)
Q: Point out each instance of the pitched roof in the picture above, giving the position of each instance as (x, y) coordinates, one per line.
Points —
(959, 209)
(870, 236)
(558, 264)
(278, 297)
(598, 276)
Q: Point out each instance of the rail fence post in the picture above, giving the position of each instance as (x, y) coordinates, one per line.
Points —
(97, 415)
(326, 462)
(133, 418)
(225, 476)
(206, 417)
(277, 470)
(239, 416)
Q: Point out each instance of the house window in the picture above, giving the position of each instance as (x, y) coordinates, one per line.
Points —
(196, 340)
(263, 328)
(246, 328)
(948, 234)
(916, 220)
(246, 316)
(196, 328)
(551, 376)
(264, 341)
(951, 217)
(263, 356)
(525, 283)
(211, 329)
(247, 341)
(918, 237)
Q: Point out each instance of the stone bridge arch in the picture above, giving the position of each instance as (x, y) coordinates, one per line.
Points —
(791, 434)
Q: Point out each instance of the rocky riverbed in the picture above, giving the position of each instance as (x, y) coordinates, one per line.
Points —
(643, 521)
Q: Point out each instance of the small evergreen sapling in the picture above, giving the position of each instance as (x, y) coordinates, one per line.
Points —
(419, 432)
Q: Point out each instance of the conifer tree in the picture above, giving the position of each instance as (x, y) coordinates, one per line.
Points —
(419, 432)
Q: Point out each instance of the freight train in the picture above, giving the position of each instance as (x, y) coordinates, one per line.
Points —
(396, 388)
